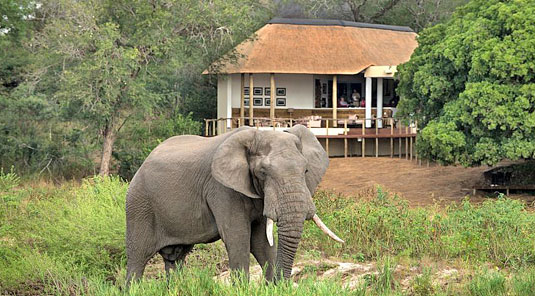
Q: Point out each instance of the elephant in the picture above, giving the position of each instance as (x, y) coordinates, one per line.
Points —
(234, 187)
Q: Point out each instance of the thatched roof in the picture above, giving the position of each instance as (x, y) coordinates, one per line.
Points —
(321, 47)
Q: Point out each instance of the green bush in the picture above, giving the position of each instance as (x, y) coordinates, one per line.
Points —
(470, 84)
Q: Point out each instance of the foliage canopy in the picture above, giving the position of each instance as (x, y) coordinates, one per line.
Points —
(416, 14)
(76, 75)
(471, 84)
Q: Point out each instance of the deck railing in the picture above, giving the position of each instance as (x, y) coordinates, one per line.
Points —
(330, 128)
(217, 126)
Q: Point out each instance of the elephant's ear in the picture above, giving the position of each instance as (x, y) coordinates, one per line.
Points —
(318, 161)
(230, 163)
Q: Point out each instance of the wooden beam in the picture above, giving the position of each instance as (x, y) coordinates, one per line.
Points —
(327, 139)
(363, 140)
(392, 138)
(272, 99)
(376, 139)
(251, 86)
(416, 150)
(376, 147)
(345, 139)
(406, 143)
(242, 100)
(335, 100)
(399, 122)
(410, 149)
(214, 128)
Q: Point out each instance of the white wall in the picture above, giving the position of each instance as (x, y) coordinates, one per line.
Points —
(299, 89)
(222, 96)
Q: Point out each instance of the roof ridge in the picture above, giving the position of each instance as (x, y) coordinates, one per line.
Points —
(333, 22)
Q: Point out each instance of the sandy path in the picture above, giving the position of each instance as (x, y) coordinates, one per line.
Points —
(420, 185)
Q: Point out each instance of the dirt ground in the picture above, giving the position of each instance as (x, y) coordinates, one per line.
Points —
(420, 185)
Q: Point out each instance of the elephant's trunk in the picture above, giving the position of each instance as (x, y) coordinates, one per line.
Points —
(288, 203)
(289, 236)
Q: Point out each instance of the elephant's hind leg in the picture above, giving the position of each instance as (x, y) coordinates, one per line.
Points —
(140, 240)
(136, 261)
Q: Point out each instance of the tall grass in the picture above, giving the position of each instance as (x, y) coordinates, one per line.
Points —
(498, 231)
(69, 239)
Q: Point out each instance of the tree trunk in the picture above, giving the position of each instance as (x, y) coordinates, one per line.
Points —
(107, 148)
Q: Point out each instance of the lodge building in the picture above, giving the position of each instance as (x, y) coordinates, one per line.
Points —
(336, 77)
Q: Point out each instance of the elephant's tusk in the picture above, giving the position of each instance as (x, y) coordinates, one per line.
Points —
(269, 231)
(325, 229)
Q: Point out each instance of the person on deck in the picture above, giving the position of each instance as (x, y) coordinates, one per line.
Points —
(343, 102)
(355, 97)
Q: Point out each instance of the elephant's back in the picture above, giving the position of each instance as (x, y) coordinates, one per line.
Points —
(176, 159)
(181, 146)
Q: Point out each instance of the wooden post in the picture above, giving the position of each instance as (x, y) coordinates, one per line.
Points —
(345, 138)
(416, 133)
(335, 100)
(376, 138)
(272, 100)
(242, 100)
(206, 128)
(214, 128)
(410, 149)
(363, 140)
(291, 122)
(399, 139)
(224, 125)
(251, 86)
(327, 138)
(391, 137)
(415, 150)
(406, 143)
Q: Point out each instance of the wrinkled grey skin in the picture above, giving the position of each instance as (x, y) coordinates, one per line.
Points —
(194, 190)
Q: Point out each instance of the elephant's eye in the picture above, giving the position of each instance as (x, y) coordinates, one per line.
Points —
(262, 173)
(306, 171)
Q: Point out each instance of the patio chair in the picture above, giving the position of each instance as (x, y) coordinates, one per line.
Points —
(310, 121)
(353, 119)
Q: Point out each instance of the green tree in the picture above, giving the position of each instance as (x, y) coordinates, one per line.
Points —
(15, 28)
(471, 84)
(416, 14)
(107, 62)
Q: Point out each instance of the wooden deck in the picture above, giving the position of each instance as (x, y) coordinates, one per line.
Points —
(501, 188)
(381, 133)
(331, 129)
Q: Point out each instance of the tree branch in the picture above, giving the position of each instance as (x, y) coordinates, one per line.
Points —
(384, 10)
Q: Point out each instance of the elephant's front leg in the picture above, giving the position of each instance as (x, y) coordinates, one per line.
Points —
(262, 251)
(235, 229)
